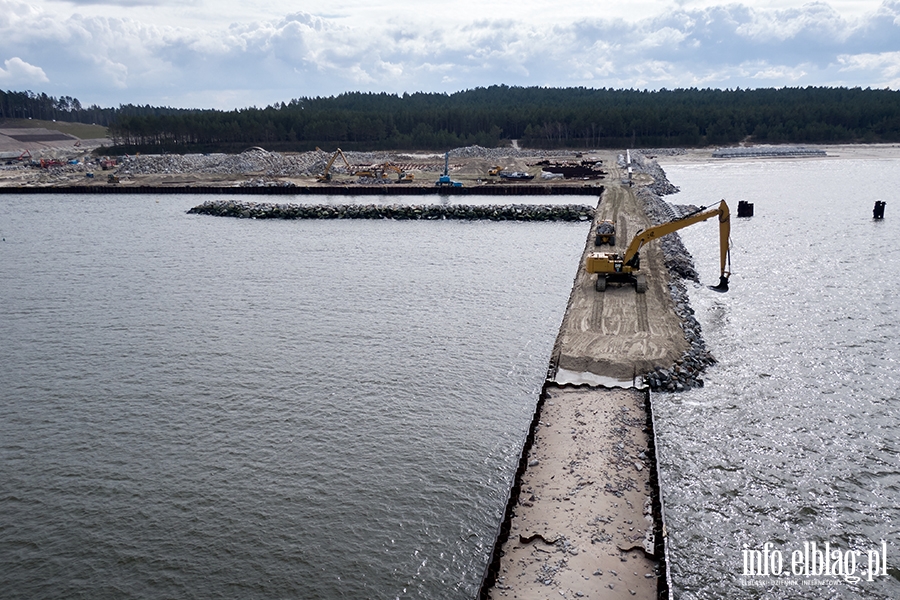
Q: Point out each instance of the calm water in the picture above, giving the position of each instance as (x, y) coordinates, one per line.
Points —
(202, 407)
(796, 437)
(198, 407)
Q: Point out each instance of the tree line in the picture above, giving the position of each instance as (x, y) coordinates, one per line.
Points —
(537, 117)
(29, 105)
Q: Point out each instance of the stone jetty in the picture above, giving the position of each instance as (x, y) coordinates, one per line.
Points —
(687, 371)
(468, 212)
(767, 152)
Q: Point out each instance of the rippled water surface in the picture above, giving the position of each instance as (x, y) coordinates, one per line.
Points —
(198, 407)
(796, 436)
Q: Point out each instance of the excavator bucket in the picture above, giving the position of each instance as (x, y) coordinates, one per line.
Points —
(723, 284)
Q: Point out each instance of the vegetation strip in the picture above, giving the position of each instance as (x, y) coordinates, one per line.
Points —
(535, 116)
(508, 212)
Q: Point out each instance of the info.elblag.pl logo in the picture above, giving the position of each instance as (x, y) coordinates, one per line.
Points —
(815, 560)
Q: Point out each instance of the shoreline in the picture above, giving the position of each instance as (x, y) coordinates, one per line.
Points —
(282, 190)
(257, 171)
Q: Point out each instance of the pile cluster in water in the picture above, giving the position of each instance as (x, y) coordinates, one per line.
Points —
(508, 212)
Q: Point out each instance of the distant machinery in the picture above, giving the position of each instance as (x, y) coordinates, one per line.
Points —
(326, 174)
(444, 180)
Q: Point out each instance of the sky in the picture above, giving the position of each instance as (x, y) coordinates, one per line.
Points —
(229, 54)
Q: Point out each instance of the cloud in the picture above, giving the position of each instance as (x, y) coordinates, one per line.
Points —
(108, 60)
(884, 66)
(131, 3)
(20, 73)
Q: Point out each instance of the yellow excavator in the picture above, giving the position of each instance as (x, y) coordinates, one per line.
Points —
(402, 176)
(326, 174)
(614, 267)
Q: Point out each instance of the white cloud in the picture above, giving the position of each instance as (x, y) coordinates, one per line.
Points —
(885, 66)
(20, 73)
(815, 21)
(773, 74)
(128, 58)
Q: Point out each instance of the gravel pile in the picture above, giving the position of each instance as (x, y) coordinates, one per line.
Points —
(496, 153)
(257, 161)
(250, 162)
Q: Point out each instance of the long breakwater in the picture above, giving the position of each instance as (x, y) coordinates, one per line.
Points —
(508, 212)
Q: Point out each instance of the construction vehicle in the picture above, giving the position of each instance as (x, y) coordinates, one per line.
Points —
(606, 233)
(326, 174)
(402, 176)
(107, 163)
(112, 178)
(516, 175)
(444, 180)
(25, 155)
(370, 172)
(624, 268)
(495, 170)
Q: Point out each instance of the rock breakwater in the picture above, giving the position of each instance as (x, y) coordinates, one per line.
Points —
(687, 371)
(508, 212)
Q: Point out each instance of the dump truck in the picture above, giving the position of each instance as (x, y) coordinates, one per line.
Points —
(624, 267)
(606, 233)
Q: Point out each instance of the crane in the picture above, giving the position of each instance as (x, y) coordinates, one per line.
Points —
(444, 179)
(326, 175)
(625, 267)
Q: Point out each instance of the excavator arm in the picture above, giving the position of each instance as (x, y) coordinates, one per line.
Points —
(700, 215)
(326, 175)
(629, 263)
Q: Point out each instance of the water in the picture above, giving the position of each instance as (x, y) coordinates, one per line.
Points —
(793, 439)
(202, 407)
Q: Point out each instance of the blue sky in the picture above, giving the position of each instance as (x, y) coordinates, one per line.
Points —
(228, 54)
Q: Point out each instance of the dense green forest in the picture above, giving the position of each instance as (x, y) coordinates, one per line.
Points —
(537, 117)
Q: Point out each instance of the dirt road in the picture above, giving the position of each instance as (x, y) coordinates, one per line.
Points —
(618, 333)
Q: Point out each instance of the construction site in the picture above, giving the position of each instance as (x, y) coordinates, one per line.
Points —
(43, 157)
(584, 516)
